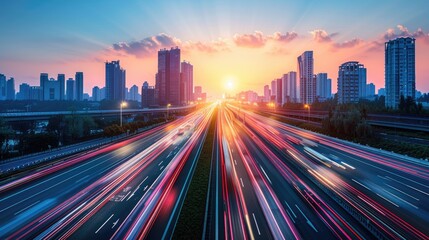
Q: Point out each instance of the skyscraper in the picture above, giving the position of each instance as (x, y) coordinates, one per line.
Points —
(370, 90)
(79, 86)
(399, 70)
(186, 82)
(115, 81)
(134, 94)
(267, 93)
(350, 76)
(323, 86)
(273, 90)
(307, 83)
(24, 92)
(10, 89)
(279, 94)
(43, 78)
(61, 80)
(292, 89)
(71, 89)
(96, 94)
(51, 90)
(168, 77)
(3, 88)
(148, 95)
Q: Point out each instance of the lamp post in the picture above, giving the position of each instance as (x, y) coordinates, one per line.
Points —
(168, 110)
(123, 104)
(308, 107)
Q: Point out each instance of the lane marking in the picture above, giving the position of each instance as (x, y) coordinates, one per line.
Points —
(256, 223)
(116, 222)
(26, 208)
(401, 199)
(308, 221)
(290, 209)
(104, 224)
(266, 175)
(407, 185)
(159, 164)
(388, 200)
(361, 184)
(403, 192)
(241, 180)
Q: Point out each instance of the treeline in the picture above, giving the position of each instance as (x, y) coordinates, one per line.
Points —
(347, 123)
(130, 128)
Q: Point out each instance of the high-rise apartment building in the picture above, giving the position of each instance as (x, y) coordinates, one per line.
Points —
(79, 86)
(323, 87)
(71, 95)
(168, 77)
(62, 81)
(267, 93)
(186, 82)
(307, 85)
(10, 89)
(148, 95)
(399, 70)
(115, 81)
(350, 78)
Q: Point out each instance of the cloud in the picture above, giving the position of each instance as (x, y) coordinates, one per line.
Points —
(207, 47)
(321, 36)
(287, 37)
(348, 44)
(254, 40)
(401, 31)
(147, 46)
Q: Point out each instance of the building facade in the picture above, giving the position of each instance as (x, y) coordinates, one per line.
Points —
(168, 77)
(399, 70)
(350, 76)
(323, 87)
(186, 82)
(79, 86)
(115, 81)
(307, 85)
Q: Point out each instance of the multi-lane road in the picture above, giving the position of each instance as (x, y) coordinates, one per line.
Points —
(268, 180)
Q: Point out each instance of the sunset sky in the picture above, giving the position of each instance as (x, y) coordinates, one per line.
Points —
(248, 42)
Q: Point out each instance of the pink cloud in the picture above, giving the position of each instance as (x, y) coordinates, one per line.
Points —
(320, 35)
(254, 40)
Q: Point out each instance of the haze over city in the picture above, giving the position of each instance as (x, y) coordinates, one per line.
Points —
(249, 43)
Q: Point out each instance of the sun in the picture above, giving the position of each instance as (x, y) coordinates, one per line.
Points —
(230, 83)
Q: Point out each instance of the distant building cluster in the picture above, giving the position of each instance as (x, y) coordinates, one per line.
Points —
(306, 87)
(174, 85)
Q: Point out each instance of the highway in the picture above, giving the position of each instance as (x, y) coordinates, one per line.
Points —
(268, 180)
(387, 193)
(56, 202)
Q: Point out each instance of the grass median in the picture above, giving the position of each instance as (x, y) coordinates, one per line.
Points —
(190, 222)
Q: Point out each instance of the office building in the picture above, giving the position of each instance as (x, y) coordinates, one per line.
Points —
(292, 88)
(279, 94)
(44, 77)
(307, 83)
(24, 92)
(199, 96)
(36, 93)
(70, 90)
(168, 77)
(350, 76)
(51, 90)
(267, 93)
(186, 82)
(96, 94)
(79, 86)
(62, 81)
(323, 87)
(3, 87)
(115, 81)
(148, 95)
(273, 90)
(381, 92)
(399, 70)
(370, 90)
(134, 94)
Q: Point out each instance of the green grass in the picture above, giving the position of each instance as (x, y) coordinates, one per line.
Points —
(191, 219)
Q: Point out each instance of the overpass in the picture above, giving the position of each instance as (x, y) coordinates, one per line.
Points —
(39, 116)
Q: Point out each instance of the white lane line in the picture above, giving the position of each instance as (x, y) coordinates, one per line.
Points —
(256, 223)
(235, 161)
(266, 174)
(401, 199)
(144, 189)
(116, 222)
(20, 211)
(161, 168)
(403, 192)
(241, 180)
(159, 164)
(291, 218)
(308, 221)
(361, 184)
(142, 181)
(408, 185)
(104, 224)
(388, 200)
(348, 165)
(290, 209)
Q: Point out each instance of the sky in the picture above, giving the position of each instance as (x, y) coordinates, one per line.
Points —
(247, 42)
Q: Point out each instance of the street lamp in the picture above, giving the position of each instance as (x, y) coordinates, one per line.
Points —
(308, 107)
(123, 104)
(168, 110)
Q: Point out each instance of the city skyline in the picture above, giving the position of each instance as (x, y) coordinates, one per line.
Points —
(225, 50)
